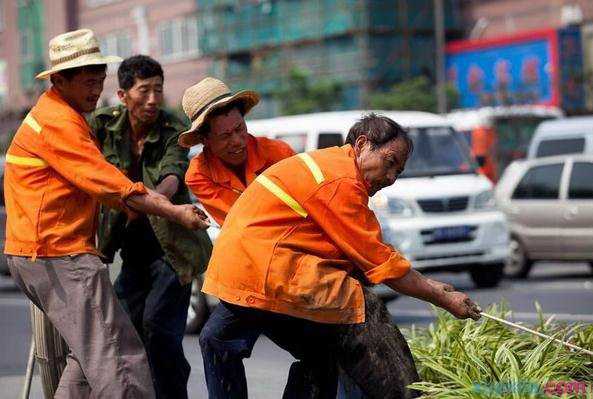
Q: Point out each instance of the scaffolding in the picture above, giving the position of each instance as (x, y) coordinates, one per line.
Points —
(363, 44)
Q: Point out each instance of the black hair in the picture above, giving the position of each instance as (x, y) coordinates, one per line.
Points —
(70, 73)
(137, 67)
(379, 130)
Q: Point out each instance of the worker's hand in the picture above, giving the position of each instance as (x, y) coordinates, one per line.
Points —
(192, 217)
(168, 186)
(460, 305)
(440, 286)
(202, 214)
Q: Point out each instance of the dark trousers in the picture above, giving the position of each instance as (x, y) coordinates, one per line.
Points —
(230, 333)
(157, 303)
(373, 355)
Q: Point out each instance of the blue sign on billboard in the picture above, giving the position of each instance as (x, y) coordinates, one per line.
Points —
(571, 68)
(503, 73)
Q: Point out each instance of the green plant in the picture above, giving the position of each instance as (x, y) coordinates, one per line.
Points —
(301, 94)
(467, 359)
(417, 94)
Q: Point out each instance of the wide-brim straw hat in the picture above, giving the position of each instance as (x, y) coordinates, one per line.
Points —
(204, 97)
(73, 50)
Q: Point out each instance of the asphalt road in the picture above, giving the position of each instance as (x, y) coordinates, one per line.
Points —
(565, 290)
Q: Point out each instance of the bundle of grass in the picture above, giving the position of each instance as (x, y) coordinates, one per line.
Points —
(485, 359)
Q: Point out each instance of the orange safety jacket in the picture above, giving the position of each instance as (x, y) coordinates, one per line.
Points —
(484, 147)
(296, 237)
(53, 177)
(217, 187)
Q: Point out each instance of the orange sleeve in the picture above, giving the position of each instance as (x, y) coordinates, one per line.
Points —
(68, 149)
(341, 209)
(217, 200)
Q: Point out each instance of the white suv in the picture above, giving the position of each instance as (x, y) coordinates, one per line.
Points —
(440, 213)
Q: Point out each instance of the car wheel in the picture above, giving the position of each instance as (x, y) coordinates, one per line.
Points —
(518, 264)
(486, 276)
(198, 310)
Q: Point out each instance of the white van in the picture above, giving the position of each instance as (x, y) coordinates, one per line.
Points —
(440, 213)
(572, 135)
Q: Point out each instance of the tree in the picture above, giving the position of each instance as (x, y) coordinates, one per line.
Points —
(300, 95)
(417, 94)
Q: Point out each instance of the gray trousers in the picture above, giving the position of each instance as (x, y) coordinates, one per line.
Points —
(107, 358)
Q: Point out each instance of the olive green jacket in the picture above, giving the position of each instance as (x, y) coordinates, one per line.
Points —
(187, 251)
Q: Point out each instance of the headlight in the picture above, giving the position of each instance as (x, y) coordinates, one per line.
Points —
(394, 207)
(485, 200)
(400, 208)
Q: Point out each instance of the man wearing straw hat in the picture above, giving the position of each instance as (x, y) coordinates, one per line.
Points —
(55, 176)
(232, 158)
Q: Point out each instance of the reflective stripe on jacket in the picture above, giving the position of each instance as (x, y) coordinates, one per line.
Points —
(54, 176)
(297, 237)
(217, 188)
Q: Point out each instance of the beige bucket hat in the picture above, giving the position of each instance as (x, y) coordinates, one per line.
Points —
(203, 98)
(75, 49)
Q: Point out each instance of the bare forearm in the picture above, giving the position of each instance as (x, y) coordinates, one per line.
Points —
(157, 204)
(416, 285)
(153, 203)
(439, 294)
(168, 186)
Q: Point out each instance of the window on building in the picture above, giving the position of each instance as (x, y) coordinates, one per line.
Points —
(581, 181)
(3, 83)
(97, 3)
(178, 38)
(540, 182)
(1, 15)
(116, 43)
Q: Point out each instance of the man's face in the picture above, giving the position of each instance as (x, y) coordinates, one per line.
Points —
(82, 91)
(144, 99)
(227, 138)
(380, 166)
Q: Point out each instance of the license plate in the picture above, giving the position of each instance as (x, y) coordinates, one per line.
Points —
(451, 233)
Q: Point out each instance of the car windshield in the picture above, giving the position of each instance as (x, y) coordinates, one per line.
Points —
(438, 151)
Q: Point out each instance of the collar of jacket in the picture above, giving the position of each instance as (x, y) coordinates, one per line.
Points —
(221, 174)
(120, 124)
(349, 151)
(54, 96)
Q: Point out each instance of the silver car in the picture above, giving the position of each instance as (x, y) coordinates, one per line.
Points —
(549, 205)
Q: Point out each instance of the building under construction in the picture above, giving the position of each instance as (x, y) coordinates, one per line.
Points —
(365, 45)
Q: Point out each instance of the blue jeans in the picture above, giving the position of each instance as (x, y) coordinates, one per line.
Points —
(374, 356)
(230, 334)
(157, 304)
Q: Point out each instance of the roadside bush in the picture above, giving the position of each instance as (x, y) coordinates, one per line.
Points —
(485, 359)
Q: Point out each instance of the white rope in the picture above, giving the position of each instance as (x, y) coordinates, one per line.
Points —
(520, 327)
